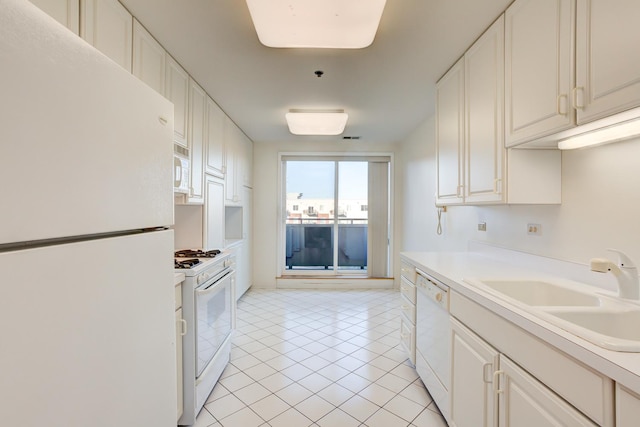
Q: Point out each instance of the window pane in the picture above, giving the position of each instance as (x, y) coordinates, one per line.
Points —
(352, 215)
(309, 231)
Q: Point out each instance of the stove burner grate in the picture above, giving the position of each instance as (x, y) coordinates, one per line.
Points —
(198, 253)
(185, 263)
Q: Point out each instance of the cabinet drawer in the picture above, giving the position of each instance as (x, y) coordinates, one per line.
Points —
(178, 297)
(590, 392)
(408, 309)
(408, 271)
(408, 338)
(408, 290)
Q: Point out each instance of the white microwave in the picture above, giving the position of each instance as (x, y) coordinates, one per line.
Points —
(180, 174)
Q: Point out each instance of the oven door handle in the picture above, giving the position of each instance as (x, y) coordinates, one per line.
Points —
(213, 286)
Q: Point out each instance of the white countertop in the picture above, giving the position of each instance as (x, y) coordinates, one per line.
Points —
(452, 267)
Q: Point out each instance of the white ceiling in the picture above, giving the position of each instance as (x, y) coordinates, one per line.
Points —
(387, 88)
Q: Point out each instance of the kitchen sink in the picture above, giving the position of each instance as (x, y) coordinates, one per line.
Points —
(602, 319)
(540, 293)
(614, 329)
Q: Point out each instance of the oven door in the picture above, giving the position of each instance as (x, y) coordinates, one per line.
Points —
(213, 317)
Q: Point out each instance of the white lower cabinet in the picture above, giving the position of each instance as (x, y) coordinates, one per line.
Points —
(487, 384)
(473, 362)
(627, 407)
(408, 310)
(181, 330)
(531, 383)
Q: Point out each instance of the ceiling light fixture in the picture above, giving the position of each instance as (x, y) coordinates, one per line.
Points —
(316, 122)
(342, 24)
(616, 128)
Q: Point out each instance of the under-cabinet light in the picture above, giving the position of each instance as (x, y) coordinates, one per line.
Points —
(316, 122)
(619, 127)
(342, 24)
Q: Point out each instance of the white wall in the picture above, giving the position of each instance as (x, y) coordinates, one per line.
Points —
(600, 206)
(265, 198)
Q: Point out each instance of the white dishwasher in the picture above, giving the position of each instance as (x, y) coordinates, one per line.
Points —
(433, 339)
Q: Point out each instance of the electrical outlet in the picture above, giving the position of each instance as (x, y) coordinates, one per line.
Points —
(482, 226)
(534, 229)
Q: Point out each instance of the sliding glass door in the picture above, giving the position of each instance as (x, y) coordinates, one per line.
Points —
(326, 210)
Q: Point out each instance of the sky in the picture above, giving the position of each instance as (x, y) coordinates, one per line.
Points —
(315, 179)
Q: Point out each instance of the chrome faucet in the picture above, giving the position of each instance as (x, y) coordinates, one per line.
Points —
(625, 271)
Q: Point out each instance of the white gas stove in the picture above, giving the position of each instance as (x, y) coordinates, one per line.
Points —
(208, 308)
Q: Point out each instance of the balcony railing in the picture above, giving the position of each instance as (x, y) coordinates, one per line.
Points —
(310, 243)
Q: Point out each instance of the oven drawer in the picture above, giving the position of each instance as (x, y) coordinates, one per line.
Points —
(408, 290)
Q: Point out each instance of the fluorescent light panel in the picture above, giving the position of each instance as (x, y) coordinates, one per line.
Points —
(312, 122)
(343, 24)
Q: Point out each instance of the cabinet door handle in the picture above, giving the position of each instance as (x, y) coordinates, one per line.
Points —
(459, 191)
(496, 382)
(561, 107)
(183, 327)
(578, 97)
(495, 185)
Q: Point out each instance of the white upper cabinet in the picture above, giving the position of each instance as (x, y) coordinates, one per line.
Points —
(450, 135)
(246, 163)
(108, 26)
(538, 69)
(177, 91)
(197, 106)
(474, 167)
(66, 12)
(215, 139)
(231, 159)
(607, 59)
(484, 142)
(148, 58)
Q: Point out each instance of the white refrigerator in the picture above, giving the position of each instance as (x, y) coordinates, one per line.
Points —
(86, 205)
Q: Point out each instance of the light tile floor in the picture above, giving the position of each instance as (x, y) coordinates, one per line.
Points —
(328, 358)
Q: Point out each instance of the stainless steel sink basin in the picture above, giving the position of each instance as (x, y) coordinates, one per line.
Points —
(540, 293)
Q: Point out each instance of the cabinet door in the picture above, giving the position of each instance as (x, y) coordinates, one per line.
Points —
(148, 58)
(180, 387)
(607, 60)
(473, 362)
(231, 144)
(108, 26)
(450, 135)
(247, 161)
(215, 139)
(66, 12)
(177, 91)
(525, 402)
(214, 235)
(484, 151)
(538, 69)
(627, 407)
(197, 104)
